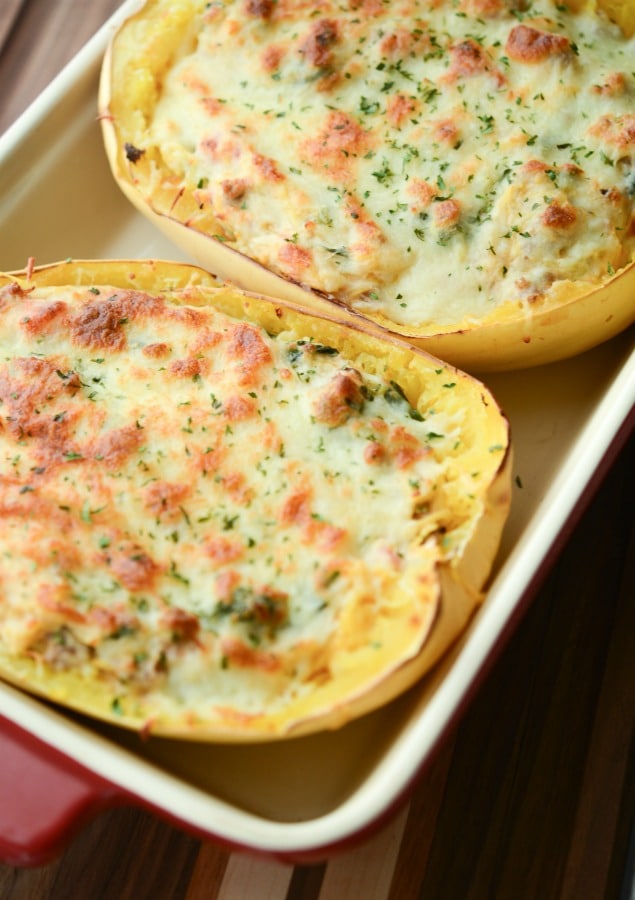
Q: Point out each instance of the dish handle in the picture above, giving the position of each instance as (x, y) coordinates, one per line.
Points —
(45, 797)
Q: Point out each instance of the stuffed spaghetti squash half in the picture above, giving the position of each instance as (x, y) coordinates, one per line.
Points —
(225, 518)
(459, 172)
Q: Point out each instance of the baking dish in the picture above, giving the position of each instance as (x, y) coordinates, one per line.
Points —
(565, 419)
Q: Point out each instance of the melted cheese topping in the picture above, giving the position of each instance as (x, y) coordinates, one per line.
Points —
(435, 163)
(193, 509)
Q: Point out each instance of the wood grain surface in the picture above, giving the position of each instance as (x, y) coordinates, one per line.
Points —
(532, 797)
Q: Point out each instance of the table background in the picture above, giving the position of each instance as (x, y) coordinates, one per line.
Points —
(531, 796)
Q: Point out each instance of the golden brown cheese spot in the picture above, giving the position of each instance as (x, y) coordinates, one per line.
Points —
(487, 8)
(99, 325)
(43, 551)
(233, 27)
(247, 347)
(341, 397)
(222, 550)
(237, 408)
(51, 382)
(188, 316)
(296, 509)
(259, 9)
(234, 188)
(210, 460)
(139, 305)
(188, 368)
(238, 488)
(614, 86)
(558, 215)
(115, 446)
(35, 509)
(111, 619)
(37, 321)
(531, 45)
(367, 231)
(379, 426)
(616, 130)
(132, 566)
(297, 259)
(615, 197)
(422, 193)
(271, 57)
(405, 448)
(446, 131)
(183, 625)
(374, 452)
(10, 293)
(192, 80)
(205, 339)
(226, 583)
(271, 439)
(165, 499)
(159, 350)
(468, 60)
(446, 213)
(36, 384)
(317, 47)
(535, 165)
(267, 168)
(325, 536)
(403, 42)
(400, 108)
(337, 144)
(247, 344)
(211, 105)
(239, 654)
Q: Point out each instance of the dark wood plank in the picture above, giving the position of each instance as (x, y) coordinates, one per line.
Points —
(9, 13)
(528, 771)
(606, 805)
(125, 853)
(44, 37)
(421, 826)
(208, 873)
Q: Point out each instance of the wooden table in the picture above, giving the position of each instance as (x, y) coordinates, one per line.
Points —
(532, 796)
